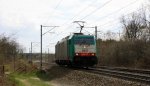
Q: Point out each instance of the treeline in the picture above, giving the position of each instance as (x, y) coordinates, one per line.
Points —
(9, 49)
(133, 49)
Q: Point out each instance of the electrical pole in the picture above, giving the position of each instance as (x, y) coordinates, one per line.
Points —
(96, 32)
(48, 52)
(48, 55)
(41, 51)
(28, 55)
(41, 41)
(14, 60)
(31, 52)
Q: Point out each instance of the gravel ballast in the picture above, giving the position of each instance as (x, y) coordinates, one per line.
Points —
(61, 76)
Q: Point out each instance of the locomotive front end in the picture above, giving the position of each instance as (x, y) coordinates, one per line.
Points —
(85, 50)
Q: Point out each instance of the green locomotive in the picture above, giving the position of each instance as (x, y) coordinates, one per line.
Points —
(76, 50)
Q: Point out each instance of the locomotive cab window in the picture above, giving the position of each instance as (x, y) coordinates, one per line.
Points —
(84, 40)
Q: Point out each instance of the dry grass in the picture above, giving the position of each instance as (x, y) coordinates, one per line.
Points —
(124, 53)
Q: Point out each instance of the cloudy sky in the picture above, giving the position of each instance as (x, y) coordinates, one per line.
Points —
(21, 19)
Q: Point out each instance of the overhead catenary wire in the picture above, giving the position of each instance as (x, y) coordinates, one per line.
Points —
(79, 12)
(109, 14)
(92, 11)
(115, 22)
(96, 9)
(88, 32)
(76, 15)
(114, 12)
(53, 11)
(64, 33)
(117, 18)
(112, 26)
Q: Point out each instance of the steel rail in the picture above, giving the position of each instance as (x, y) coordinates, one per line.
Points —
(133, 70)
(139, 77)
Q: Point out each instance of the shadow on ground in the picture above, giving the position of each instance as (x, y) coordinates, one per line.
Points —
(53, 73)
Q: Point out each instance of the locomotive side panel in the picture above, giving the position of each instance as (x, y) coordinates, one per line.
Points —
(61, 50)
(64, 50)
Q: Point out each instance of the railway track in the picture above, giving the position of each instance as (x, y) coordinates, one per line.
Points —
(142, 71)
(138, 75)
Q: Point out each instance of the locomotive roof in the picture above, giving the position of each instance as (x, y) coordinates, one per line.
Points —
(70, 36)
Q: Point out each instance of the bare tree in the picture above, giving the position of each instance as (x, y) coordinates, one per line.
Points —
(8, 49)
(110, 35)
(132, 27)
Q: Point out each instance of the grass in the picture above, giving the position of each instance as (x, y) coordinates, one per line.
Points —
(37, 82)
(31, 76)
(28, 79)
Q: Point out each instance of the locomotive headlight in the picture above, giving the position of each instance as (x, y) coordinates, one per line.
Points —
(77, 54)
(93, 54)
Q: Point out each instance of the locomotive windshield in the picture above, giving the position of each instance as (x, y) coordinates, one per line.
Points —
(84, 40)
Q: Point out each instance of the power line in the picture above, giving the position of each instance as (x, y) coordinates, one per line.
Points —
(53, 11)
(90, 13)
(79, 12)
(118, 10)
(58, 4)
(101, 7)
(117, 18)
(116, 21)
(64, 30)
(64, 33)
(109, 13)
(111, 21)
(96, 9)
